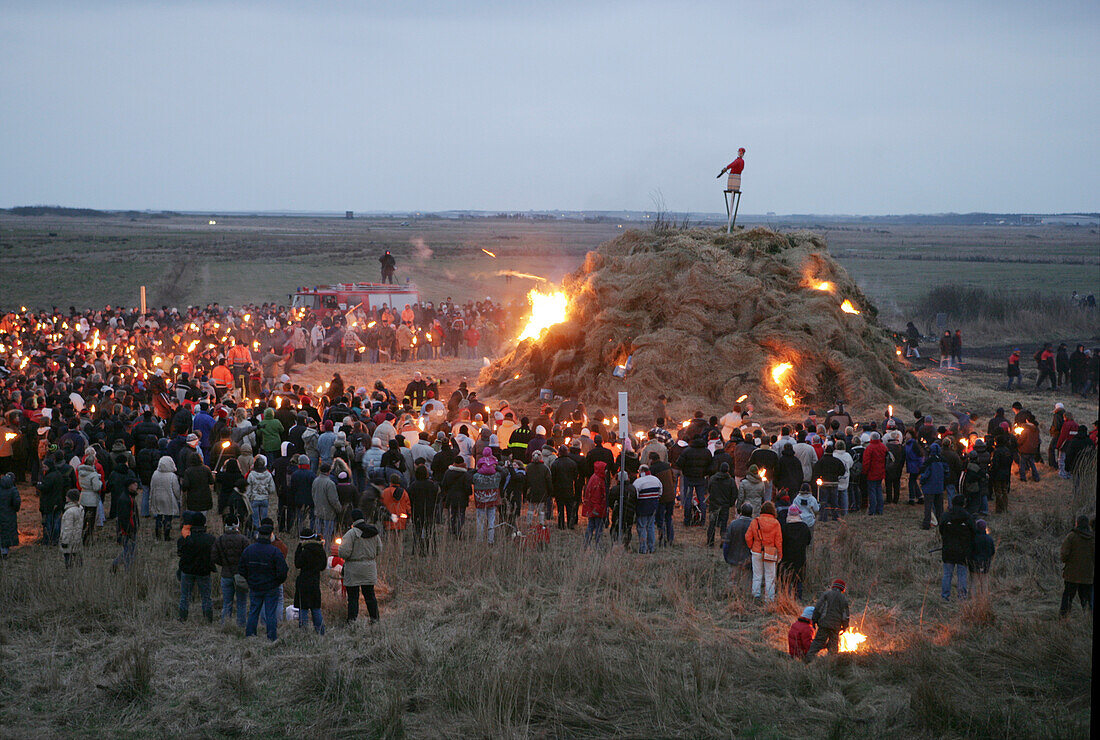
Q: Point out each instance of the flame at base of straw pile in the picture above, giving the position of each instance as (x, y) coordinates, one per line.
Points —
(851, 642)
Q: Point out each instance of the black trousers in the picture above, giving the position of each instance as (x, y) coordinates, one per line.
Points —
(719, 517)
(1083, 592)
(893, 489)
(353, 602)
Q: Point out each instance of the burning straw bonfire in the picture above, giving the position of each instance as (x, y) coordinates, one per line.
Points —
(709, 318)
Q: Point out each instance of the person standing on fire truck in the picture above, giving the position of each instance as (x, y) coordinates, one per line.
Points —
(389, 266)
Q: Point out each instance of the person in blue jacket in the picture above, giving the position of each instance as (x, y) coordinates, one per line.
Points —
(933, 473)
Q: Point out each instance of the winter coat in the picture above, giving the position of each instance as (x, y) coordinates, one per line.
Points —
(765, 535)
(164, 489)
(789, 473)
(310, 560)
(799, 637)
(1078, 555)
(270, 433)
(196, 484)
(226, 552)
(750, 491)
(913, 457)
(957, 532)
(196, 552)
(326, 501)
(808, 507)
(9, 511)
(933, 473)
(360, 548)
(829, 469)
(735, 550)
(260, 485)
(264, 566)
(982, 553)
(539, 483)
(695, 460)
(720, 490)
(663, 472)
(831, 611)
(874, 461)
(90, 484)
(397, 503)
(563, 476)
(594, 504)
(796, 538)
(486, 488)
(457, 487)
(72, 527)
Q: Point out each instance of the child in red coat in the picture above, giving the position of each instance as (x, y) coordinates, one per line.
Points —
(801, 634)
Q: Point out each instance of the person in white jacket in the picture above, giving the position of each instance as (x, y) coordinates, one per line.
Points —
(71, 540)
(840, 453)
(807, 505)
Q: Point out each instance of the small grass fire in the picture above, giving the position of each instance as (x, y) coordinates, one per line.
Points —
(851, 642)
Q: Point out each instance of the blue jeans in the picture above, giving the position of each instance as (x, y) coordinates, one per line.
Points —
(51, 528)
(664, 522)
(229, 595)
(304, 615)
(830, 500)
(647, 533)
(874, 497)
(915, 493)
(187, 584)
(1015, 378)
(594, 531)
(269, 602)
(327, 528)
(1027, 463)
(842, 502)
(693, 487)
(163, 522)
(126, 556)
(259, 511)
(959, 570)
(145, 500)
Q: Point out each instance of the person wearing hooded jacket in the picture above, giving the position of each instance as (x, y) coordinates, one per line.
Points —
(164, 497)
(957, 532)
(1078, 555)
(693, 464)
(796, 540)
(594, 507)
(808, 507)
(310, 560)
(539, 487)
(457, 489)
(788, 474)
(801, 634)
(325, 502)
(874, 470)
(259, 490)
(720, 497)
(830, 617)
(487, 498)
(90, 482)
(360, 548)
(933, 475)
(751, 490)
(72, 521)
(271, 433)
(264, 567)
(563, 476)
(196, 483)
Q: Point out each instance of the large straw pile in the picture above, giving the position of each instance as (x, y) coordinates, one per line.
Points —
(707, 316)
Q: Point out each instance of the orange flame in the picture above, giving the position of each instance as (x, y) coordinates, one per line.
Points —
(847, 307)
(486, 251)
(547, 309)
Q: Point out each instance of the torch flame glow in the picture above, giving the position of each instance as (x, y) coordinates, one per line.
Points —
(779, 371)
(850, 642)
(547, 309)
(486, 251)
(741, 399)
(824, 285)
(847, 307)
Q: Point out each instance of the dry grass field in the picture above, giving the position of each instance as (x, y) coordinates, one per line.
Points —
(511, 641)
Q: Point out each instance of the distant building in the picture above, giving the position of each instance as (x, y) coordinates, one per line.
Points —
(1031, 220)
(349, 214)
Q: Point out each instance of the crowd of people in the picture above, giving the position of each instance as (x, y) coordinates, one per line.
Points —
(106, 433)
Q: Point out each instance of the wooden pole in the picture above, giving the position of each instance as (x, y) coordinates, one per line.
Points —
(143, 300)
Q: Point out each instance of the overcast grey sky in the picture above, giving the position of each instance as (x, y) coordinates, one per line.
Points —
(844, 107)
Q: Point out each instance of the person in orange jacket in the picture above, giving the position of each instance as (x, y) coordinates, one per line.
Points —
(396, 500)
(765, 540)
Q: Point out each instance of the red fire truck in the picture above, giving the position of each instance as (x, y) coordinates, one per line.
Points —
(325, 300)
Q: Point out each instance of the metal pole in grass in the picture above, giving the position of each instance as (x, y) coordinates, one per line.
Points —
(624, 434)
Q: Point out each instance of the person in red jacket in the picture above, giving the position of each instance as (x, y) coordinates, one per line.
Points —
(1067, 432)
(801, 634)
(734, 168)
(595, 504)
(874, 469)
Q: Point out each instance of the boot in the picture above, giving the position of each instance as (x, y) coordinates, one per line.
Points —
(183, 616)
(209, 615)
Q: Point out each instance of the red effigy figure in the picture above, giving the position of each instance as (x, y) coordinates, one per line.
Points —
(734, 168)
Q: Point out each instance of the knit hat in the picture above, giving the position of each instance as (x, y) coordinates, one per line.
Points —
(794, 512)
(307, 534)
(540, 430)
(808, 613)
(980, 525)
(839, 584)
(804, 488)
(328, 426)
(753, 470)
(304, 461)
(356, 515)
(343, 475)
(266, 530)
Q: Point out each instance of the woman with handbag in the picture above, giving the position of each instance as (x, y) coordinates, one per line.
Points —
(765, 540)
